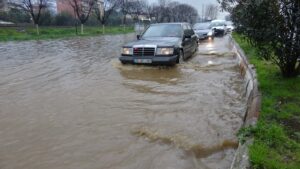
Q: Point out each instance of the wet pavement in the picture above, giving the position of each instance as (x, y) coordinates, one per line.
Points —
(70, 104)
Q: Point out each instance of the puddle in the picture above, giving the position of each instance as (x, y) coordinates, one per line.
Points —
(69, 104)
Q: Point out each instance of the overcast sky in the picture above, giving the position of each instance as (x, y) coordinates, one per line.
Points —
(198, 5)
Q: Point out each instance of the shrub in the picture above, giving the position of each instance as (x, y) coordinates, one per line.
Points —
(46, 19)
(64, 19)
(271, 26)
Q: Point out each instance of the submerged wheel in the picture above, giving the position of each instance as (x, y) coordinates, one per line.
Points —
(180, 58)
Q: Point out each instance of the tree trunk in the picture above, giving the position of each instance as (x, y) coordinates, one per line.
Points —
(81, 29)
(124, 23)
(37, 29)
(103, 29)
(76, 28)
(298, 68)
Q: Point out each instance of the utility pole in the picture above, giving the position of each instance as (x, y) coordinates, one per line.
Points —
(202, 13)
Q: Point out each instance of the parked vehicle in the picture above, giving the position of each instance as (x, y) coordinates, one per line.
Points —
(165, 43)
(204, 31)
(220, 27)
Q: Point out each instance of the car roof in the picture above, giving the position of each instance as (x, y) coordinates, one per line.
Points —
(171, 23)
(218, 20)
(202, 23)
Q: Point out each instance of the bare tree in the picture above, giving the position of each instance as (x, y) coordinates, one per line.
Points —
(211, 11)
(173, 14)
(104, 10)
(154, 12)
(34, 8)
(171, 11)
(136, 8)
(124, 9)
(163, 9)
(2, 4)
(82, 10)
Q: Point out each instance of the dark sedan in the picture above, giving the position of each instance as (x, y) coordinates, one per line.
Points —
(204, 31)
(161, 44)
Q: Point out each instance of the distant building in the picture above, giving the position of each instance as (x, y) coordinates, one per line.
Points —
(54, 6)
(63, 6)
(9, 4)
(13, 3)
(3, 5)
(6, 5)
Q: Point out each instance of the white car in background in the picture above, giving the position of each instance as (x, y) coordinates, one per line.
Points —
(230, 26)
(220, 27)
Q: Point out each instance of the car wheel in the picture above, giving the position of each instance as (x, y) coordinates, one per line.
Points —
(180, 58)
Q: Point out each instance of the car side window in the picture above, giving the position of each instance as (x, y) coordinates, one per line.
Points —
(189, 27)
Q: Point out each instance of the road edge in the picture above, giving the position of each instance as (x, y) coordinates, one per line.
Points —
(253, 96)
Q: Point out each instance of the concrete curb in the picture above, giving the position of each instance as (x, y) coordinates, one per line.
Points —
(241, 159)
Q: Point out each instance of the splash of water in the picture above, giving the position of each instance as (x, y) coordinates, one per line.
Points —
(197, 150)
(218, 54)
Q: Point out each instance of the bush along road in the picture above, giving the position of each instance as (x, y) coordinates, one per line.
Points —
(14, 33)
(277, 134)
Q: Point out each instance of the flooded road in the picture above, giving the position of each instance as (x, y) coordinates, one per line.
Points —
(70, 104)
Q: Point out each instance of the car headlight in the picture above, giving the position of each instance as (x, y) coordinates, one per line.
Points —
(127, 51)
(210, 33)
(164, 51)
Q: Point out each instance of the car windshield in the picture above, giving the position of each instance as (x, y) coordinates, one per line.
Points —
(164, 30)
(218, 23)
(202, 26)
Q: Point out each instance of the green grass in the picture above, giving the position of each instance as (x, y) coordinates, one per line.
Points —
(277, 135)
(10, 34)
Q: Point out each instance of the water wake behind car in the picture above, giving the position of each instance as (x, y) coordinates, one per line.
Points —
(68, 104)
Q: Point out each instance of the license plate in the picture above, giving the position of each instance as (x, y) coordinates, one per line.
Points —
(142, 61)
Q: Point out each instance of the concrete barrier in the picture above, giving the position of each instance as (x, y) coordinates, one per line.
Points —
(241, 159)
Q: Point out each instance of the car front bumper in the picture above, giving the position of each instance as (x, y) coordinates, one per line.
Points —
(219, 31)
(204, 37)
(152, 60)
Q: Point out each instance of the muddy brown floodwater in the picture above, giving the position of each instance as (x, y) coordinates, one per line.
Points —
(70, 104)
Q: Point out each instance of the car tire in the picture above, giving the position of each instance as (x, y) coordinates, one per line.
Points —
(180, 58)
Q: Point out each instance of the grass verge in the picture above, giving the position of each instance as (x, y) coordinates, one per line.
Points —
(13, 33)
(277, 135)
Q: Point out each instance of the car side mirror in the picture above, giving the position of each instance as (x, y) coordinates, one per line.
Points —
(138, 37)
(187, 36)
